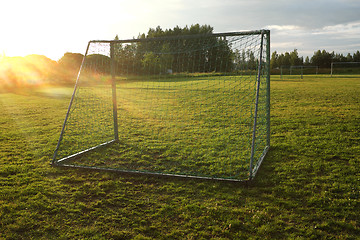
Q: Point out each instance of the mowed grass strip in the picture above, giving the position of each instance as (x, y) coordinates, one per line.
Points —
(307, 187)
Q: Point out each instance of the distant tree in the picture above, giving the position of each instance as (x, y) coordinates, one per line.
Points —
(71, 61)
(280, 59)
(177, 31)
(322, 58)
(356, 56)
(31, 70)
(41, 64)
(239, 60)
(127, 58)
(274, 60)
(286, 59)
(98, 63)
(339, 58)
(218, 56)
(252, 63)
(151, 63)
(349, 58)
(295, 60)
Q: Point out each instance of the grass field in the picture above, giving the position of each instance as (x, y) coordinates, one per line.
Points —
(198, 126)
(308, 187)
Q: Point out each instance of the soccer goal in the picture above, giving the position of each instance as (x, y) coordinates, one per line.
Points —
(189, 106)
(346, 68)
(301, 70)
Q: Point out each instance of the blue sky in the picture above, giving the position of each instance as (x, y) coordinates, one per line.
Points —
(52, 28)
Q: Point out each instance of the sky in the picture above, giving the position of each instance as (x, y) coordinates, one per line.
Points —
(54, 27)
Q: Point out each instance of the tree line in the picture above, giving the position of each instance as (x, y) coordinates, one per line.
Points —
(204, 54)
(207, 54)
(164, 53)
(177, 55)
(320, 58)
(34, 70)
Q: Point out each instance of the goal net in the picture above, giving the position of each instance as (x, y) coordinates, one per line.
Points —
(191, 106)
(345, 68)
(304, 70)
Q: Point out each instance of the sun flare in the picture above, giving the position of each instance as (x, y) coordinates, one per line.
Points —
(25, 71)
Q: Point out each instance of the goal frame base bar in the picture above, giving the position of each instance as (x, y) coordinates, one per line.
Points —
(82, 152)
(60, 163)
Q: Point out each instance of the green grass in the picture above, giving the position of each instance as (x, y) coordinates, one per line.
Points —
(199, 126)
(307, 188)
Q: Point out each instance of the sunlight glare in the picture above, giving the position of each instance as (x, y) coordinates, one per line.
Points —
(32, 70)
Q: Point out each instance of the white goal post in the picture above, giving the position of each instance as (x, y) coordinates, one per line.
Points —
(343, 64)
(289, 70)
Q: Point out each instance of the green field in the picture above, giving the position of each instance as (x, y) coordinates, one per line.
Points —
(308, 186)
(193, 126)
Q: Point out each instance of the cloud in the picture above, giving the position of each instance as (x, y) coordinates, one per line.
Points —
(341, 38)
(283, 27)
(348, 30)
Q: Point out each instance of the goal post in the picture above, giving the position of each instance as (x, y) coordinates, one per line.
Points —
(294, 70)
(113, 89)
(189, 106)
(347, 67)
